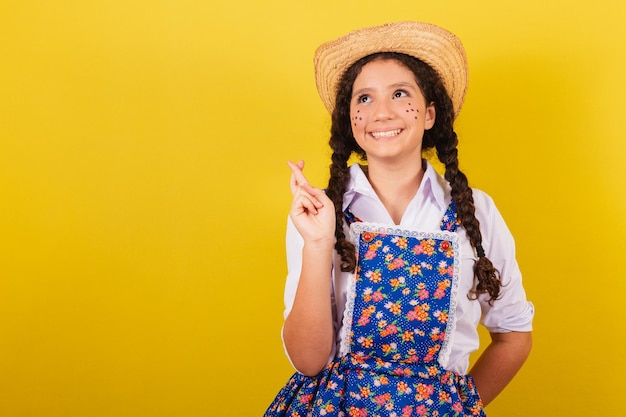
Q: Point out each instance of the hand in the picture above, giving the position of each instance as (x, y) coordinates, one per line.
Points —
(312, 212)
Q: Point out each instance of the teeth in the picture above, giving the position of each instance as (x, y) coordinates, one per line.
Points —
(386, 134)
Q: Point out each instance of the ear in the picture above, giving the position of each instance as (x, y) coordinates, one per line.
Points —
(429, 120)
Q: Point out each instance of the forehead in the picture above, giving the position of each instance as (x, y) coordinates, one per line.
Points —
(384, 71)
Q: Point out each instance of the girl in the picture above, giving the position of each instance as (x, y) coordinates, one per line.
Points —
(392, 267)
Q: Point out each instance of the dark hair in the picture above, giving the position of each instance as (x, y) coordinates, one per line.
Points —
(441, 137)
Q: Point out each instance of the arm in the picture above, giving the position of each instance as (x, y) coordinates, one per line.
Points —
(499, 363)
(308, 331)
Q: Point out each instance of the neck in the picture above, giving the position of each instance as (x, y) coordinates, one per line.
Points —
(396, 186)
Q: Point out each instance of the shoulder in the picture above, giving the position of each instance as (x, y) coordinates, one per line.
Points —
(493, 227)
(483, 202)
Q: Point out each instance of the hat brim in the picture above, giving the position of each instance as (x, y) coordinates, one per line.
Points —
(435, 46)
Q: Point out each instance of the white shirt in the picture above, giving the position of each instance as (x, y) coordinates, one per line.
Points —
(510, 312)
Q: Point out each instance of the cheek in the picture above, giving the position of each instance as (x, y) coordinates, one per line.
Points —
(357, 119)
(411, 110)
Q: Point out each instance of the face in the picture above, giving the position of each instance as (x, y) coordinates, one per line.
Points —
(388, 112)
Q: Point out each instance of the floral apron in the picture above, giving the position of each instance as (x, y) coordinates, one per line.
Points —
(399, 313)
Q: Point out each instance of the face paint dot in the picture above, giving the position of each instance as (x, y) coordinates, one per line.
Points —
(416, 117)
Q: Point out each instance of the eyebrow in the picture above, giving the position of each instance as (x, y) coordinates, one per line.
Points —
(402, 84)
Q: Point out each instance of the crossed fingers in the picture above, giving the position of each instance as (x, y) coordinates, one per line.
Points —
(305, 195)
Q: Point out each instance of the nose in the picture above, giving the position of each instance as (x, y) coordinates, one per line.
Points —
(383, 110)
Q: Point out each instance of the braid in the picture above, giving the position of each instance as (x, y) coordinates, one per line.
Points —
(343, 144)
(445, 141)
(487, 277)
(339, 176)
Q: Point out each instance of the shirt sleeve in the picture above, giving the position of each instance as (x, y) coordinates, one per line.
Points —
(511, 312)
(294, 245)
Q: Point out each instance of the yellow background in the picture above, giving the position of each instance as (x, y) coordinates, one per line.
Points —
(144, 193)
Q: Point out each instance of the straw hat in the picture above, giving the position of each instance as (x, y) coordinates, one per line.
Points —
(435, 46)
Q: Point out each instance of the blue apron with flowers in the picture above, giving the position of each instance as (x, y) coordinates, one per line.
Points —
(399, 313)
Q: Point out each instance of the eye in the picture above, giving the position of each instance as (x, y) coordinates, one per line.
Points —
(363, 99)
(400, 94)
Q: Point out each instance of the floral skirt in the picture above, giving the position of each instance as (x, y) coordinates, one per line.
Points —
(353, 387)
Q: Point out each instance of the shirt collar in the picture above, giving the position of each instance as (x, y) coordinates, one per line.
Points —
(433, 186)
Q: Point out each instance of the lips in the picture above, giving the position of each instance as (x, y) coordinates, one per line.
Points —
(386, 134)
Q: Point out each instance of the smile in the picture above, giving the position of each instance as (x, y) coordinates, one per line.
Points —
(387, 134)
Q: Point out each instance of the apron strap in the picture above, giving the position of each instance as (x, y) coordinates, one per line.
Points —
(350, 218)
(450, 220)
